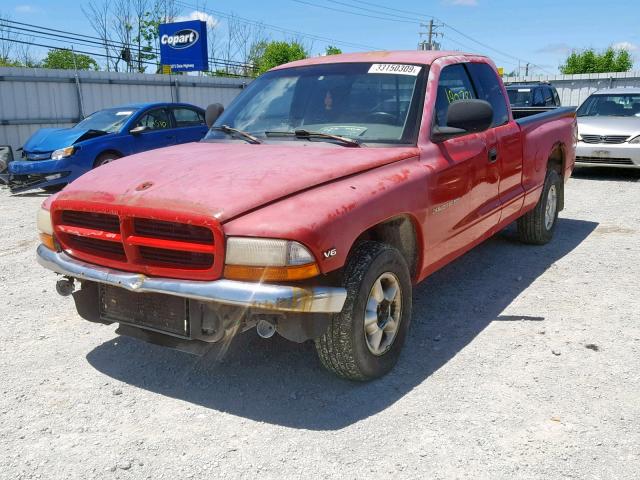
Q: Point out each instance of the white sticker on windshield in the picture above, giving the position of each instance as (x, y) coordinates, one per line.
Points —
(524, 90)
(124, 113)
(395, 69)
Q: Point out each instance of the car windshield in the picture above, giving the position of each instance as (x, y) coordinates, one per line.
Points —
(369, 102)
(519, 97)
(618, 105)
(110, 120)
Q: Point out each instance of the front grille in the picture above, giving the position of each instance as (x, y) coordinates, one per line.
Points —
(94, 246)
(163, 256)
(96, 221)
(172, 230)
(608, 139)
(610, 161)
(189, 249)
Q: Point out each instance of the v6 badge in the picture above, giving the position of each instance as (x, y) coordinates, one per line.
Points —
(332, 252)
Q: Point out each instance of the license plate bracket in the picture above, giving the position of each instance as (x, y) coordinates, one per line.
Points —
(152, 311)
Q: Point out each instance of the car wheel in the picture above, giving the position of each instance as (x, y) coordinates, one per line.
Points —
(364, 340)
(537, 226)
(54, 188)
(104, 159)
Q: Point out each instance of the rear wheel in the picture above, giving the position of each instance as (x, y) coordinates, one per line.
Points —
(537, 226)
(364, 341)
(105, 158)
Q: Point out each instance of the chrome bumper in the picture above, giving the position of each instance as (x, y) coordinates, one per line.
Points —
(228, 292)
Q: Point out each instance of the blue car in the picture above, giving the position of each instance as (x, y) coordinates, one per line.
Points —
(53, 157)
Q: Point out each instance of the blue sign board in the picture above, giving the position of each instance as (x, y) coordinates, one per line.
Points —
(183, 46)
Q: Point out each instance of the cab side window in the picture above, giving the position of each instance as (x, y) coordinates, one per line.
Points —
(156, 119)
(186, 117)
(488, 87)
(454, 85)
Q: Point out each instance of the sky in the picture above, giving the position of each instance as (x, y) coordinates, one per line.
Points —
(538, 32)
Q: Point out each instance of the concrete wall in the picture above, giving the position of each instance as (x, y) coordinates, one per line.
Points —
(39, 98)
(574, 89)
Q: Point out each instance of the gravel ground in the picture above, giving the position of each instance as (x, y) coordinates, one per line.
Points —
(522, 362)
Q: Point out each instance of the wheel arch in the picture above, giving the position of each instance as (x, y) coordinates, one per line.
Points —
(108, 150)
(400, 232)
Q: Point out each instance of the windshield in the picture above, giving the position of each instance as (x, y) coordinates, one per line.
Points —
(519, 97)
(619, 105)
(109, 121)
(363, 101)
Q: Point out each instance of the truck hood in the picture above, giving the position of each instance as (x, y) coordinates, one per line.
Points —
(223, 180)
(50, 139)
(608, 125)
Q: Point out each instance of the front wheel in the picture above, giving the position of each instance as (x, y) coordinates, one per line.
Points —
(364, 341)
(537, 226)
(104, 159)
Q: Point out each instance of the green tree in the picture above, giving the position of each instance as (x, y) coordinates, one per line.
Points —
(591, 61)
(65, 59)
(272, 54)
(331, 50)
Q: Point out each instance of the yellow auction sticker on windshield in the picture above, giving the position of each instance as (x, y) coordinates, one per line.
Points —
(395, 69)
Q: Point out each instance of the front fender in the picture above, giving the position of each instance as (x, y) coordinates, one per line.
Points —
(328, 219)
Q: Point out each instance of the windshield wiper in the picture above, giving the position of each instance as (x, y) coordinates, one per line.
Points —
(234, 131)
(348, 142)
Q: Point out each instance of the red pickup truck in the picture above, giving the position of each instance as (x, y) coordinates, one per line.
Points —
(318, 198)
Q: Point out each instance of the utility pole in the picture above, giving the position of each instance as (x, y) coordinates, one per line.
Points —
(432, 34)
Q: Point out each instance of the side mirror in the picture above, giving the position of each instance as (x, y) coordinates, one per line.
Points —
(463, 117)
(138, 130)
(212, 113)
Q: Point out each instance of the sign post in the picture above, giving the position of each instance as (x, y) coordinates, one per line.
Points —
(183, 46)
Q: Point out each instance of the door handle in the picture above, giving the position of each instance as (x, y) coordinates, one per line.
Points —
(493, 155)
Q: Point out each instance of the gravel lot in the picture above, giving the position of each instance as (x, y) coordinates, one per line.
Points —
(523, 362)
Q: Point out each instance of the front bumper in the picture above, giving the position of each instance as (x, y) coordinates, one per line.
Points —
(623, 154)
(284, 298)
(26, 175)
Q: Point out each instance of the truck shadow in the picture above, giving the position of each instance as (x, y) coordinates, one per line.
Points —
(280, 382)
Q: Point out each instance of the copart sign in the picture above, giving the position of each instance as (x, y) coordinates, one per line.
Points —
(183, 46)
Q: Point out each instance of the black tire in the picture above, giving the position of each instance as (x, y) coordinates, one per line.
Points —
(54, 188)
(344, 349)
(105, 158)
(532, 227)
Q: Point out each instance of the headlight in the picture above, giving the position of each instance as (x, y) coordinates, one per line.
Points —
(265, 259)
(62, 153)
(45, 228)
(635, 139)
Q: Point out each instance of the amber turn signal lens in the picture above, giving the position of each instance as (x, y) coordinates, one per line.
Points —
(271, 274)
(47, 241)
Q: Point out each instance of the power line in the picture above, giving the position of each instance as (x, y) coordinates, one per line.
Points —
(275, 27)
(413, 22)
(406, 19)
(56, 35)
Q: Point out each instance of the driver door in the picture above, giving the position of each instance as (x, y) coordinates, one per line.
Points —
(159, 132)
(464, 189)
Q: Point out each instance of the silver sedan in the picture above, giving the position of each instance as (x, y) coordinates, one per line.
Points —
(609, 128)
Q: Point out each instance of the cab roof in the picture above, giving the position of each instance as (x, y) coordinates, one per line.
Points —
(420, 57)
